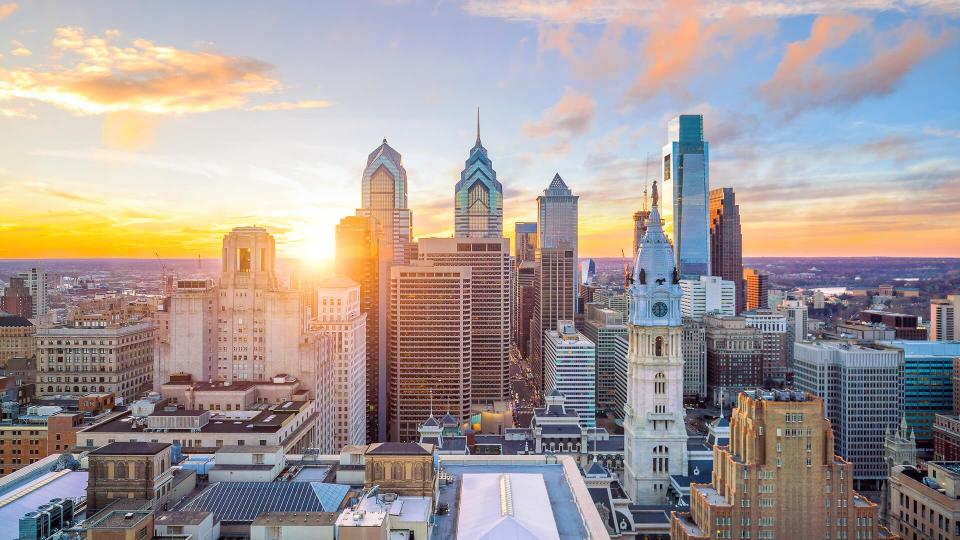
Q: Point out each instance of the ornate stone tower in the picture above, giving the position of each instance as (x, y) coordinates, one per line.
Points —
(655, 435)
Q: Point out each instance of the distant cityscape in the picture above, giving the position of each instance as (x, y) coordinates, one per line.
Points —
(485, 386)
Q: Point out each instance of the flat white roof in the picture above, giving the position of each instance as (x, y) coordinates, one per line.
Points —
(505, 505)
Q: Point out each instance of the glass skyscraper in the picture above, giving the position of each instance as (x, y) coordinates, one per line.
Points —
(557, 223)
(479, 196)
(686, 190)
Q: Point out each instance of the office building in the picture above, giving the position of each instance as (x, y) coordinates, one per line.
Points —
(928, 390)
(189, 343)
(734, 357)
(525, 242)
(945, 318)
(614, 299)
(708, 294)
(754, 289)
(430, 345)
(654, 432)
(862, 389)
(35, 280)
(621, 374)
(553, 300)
(16, 299)
(524, 285)
(16, 338)
(557, 226)
(491, 275)
(358, 258)
(694, 346)
(773, 332)
(118, 360)
(778, 477)
(685, 189)
(339, 316)
(603, 326)
(478, 197)
(570, 360)
(905, 326)
(726, 241)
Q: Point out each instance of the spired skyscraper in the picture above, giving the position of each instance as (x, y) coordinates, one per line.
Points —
(655, 438)
(478, 197)
(686, 190)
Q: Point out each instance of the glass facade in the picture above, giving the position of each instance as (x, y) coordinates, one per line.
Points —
(927, 383)
(685, 195)
(478, 198)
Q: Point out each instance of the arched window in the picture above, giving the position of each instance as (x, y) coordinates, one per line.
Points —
(658, 346)
(660, 383)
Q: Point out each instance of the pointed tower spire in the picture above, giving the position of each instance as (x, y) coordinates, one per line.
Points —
(478, 126)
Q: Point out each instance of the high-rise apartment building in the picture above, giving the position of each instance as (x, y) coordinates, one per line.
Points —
(83, 360)
(339, 316)
(778, 478)
(708, 294)
(35, 280)
(603, 326)
(694, 347)
(686, 187)
(358, 258)
(553, 300)
(773, 332)
(557, 226)
(263, 328)
(797, 318)
(429, 345)
(945, 318)
(754, 289)
(525, 242)
(734, 357)
(190, 343)
(726, 240)
(490, 285)
(16, 299)
(655, 436)
(862, 390)
(570, 360)
(478, 197)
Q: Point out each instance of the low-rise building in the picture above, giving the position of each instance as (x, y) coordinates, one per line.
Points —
(925, 505)
(128, 470)
(16, 338)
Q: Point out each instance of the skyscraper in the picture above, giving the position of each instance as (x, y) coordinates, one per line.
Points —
(655, 436)
(570, 360)
(778, 478)
(734, 357)
(603, 326)
(429, 345)
(190, 344)
(16, 299)
(358, 258)
(709, 294)
(726, 240)
(553, 300)
(686, 187)
(755, 289)
(773, 332)
(490, 279)
(35, 280)
(945, 318)
(525, 283)
(339, 315)
(478, 198)
(557, 224)
(525, 242)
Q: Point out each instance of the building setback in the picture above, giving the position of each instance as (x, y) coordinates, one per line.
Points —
(430, 355)
(726, 241)
(778, 476)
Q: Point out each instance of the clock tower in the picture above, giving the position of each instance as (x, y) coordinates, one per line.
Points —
(655, 436)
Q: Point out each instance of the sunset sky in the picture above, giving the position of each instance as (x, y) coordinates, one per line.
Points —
(134, 128)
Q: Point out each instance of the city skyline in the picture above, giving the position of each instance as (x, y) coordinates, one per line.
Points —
(124, 136)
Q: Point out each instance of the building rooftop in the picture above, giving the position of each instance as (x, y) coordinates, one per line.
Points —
(30, 496)
(235, 449)
(268, 421)
(399, 448)
(120, 519)
(10, 321)
(315, 519)
(182, 517)
(130, 449)
(244, 501)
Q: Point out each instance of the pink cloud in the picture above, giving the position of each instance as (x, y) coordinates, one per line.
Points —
(571, 116)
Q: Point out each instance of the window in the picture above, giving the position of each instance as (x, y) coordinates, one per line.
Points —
(658, 346)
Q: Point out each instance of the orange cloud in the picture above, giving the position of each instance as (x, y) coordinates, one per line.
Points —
(571, 116)
(801, 82)
(6, 10)
(100, 76)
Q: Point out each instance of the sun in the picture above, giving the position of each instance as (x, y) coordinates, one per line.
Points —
(313, 242)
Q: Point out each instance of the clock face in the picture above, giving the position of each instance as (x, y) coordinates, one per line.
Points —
(660, 309)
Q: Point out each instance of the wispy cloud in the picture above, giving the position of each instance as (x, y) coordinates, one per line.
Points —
(292, 105)
(6, 10)
(19, 49)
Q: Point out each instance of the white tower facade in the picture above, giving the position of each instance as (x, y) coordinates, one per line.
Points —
(654, 433)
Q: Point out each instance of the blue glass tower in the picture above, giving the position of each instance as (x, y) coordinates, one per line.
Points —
(686, 195)
(478, 198)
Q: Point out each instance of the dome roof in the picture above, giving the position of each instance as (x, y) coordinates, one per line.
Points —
(655, 260)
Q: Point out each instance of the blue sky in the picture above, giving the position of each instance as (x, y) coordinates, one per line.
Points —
(839, 131)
